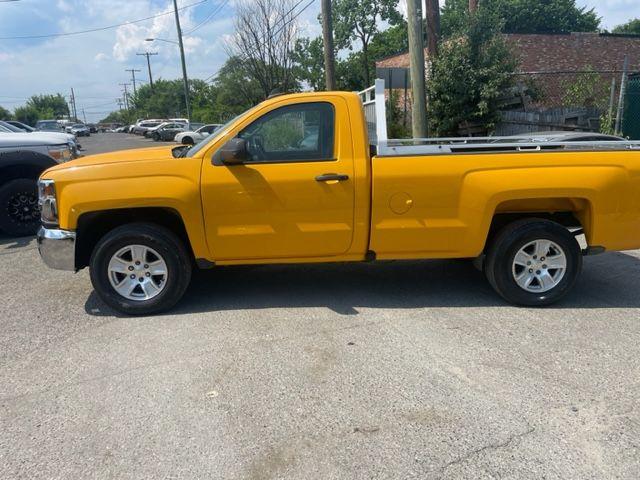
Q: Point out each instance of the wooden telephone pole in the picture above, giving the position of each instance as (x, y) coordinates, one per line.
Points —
(416, 58)
(327, 36)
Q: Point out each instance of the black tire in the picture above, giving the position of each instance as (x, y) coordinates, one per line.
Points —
(156, 136)
(19, 210)
(501, 272)
(187, 141)
(169, 247)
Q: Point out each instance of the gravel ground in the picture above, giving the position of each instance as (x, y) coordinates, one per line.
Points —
(390, 370)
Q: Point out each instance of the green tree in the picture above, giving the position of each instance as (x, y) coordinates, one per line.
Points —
(525, 16)
(4, 113)
(309, 60)
(472, 71)
(631, 27)
(235, 89)
(308, 57)
(358, 21)
(28, 115)
(51, 106)
(119, 116)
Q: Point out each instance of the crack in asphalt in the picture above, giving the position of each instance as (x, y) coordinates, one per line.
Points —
(491, 446)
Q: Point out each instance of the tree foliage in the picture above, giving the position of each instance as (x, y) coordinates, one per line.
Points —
(358, 21)
(232, 92)
(265, 36)
(41, 107)
(4, 113)
(308, 57)
(350, 74)
(472, 71)
(525, 16)
(632, 27)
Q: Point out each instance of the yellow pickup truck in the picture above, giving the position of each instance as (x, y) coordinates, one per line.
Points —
(310, 177)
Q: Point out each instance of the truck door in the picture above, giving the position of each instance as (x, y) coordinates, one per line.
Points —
(293, 194)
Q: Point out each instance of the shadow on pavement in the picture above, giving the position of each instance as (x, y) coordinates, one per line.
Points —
(15, 242)
(611, 280)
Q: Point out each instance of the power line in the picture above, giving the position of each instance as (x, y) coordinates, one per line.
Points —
(208, 18)
(99, 29)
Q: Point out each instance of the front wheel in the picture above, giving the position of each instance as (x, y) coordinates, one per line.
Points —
(533, 262)
(140, 269)
(19, 210)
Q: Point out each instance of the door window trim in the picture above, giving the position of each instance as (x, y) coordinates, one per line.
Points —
(332, 123)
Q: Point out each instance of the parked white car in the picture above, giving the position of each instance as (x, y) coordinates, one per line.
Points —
(141, 127)
(11, 127)
(149, 132)
(190, 138)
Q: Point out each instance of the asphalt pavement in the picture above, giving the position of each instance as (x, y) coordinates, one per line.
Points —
(394, 370)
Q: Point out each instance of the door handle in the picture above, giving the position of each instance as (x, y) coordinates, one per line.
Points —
(336, 177)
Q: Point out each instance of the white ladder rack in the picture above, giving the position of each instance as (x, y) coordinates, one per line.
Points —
(374, 104)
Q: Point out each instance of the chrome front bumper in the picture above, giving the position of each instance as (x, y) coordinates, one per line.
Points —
(58, 248)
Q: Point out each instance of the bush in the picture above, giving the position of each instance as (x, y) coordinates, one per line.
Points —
(471, 72)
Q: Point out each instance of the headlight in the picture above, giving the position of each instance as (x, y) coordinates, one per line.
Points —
(60, 153)
(47, 202)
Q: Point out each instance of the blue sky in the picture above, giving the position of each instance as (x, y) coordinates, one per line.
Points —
(94, 63)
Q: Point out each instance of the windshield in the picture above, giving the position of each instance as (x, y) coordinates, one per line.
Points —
(11, 128)
(217, 133)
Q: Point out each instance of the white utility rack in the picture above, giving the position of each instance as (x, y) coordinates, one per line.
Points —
(374, 104)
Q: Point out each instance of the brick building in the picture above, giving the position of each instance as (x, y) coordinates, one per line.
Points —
(561, 52)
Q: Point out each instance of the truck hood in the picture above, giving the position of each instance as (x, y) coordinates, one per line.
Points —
(30, 140)
(153, 153)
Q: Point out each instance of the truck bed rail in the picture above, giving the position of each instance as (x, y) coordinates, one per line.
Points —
(374, 105)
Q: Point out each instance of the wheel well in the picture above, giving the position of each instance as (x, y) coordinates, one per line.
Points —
(93, 226)
(12, 172)
(501, 220)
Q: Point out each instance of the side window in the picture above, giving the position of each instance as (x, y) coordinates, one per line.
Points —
(301, 132)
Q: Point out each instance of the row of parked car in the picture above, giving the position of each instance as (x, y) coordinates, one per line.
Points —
(179, 130)
(25, 152)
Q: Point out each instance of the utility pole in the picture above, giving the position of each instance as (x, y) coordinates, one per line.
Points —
(184, 65)
(148, 54)
(133, 77)
(433, 28)
(84, 116)
(327, 35)
(119, 102)
(416, 58)
(623, 91)
(126, 95)
(73, 104)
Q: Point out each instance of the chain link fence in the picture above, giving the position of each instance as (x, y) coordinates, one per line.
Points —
(587, 101)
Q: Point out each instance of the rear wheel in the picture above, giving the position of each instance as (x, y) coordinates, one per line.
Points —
(19, 209)
(140, 269)
(187, 141)
(533, 262)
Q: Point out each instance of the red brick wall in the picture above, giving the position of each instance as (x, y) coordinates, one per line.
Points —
(575, 51)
